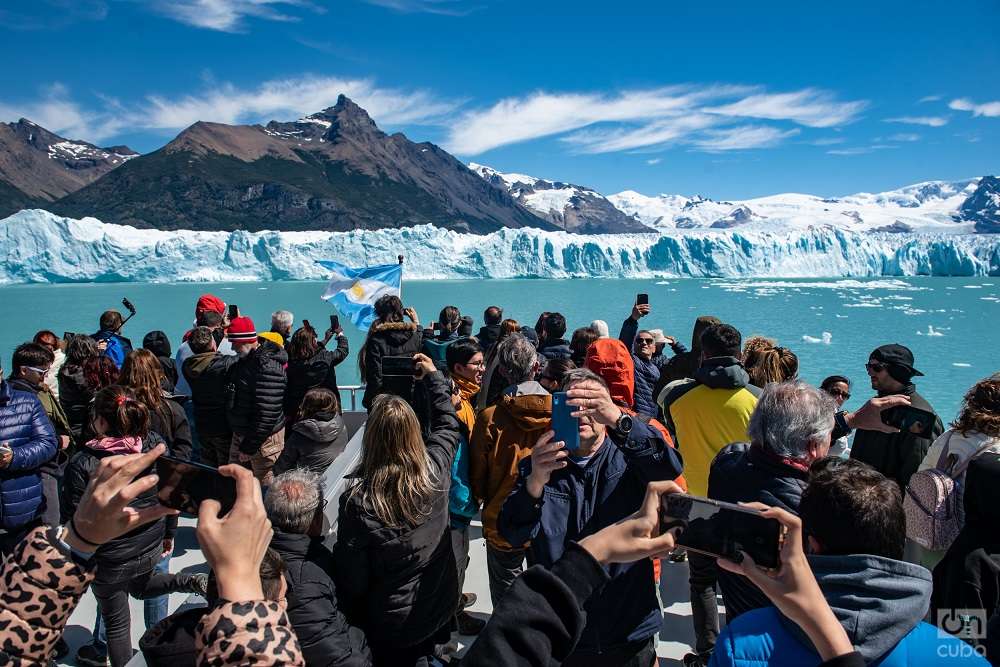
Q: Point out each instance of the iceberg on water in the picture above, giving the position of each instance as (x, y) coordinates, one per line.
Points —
(825, 338)
(38, 246)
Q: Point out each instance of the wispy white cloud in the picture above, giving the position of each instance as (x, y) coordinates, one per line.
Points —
(809, 107)
(653, 161)
(828, 141)
(859, 150)
(443, 7)
(743, 138)
(904, 136)
(39, 14)
(929, 121)
(640, 118)
(56, 111)
(929, 98)
(227, 15)
(283, 98)
(988, 109)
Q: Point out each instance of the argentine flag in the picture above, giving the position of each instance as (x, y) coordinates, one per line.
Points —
(354, 291)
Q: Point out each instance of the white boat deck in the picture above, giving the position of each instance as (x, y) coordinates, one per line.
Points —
(676, 636)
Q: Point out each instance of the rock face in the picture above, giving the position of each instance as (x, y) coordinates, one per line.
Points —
(38, 166)
(983, 206)
(740, 215)
(572, 208)
(897, 227)
(333, 170)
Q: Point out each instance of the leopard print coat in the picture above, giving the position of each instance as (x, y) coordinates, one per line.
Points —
(40, 586)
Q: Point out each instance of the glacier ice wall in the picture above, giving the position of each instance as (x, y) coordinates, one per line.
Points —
(38, 246)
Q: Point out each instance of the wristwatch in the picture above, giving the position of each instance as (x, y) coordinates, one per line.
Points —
(624, 424)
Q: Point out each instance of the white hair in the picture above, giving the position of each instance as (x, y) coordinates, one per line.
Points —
(601, 327)
(790, 416)
(282, 319)
(292, 500)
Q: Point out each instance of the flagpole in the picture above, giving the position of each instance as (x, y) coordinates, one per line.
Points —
(400, 258)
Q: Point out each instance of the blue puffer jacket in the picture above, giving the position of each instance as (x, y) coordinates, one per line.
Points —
(879, 601)
(24, 425)
(647, 372)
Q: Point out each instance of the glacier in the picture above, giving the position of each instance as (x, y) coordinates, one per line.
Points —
(39, 247)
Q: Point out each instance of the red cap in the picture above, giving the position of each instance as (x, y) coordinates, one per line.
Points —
(241, 330)
(209, 302)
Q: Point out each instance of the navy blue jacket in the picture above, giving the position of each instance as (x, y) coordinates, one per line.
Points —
(25, 426)
(647, 373)
(556, 349)
(580, 500)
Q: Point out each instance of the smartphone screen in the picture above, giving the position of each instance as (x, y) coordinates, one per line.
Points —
(723, 529)
(184, 485)
(567, 428)
(910, 419)
(641, 299)
(335, 322)
(398, 367)
(234, 312)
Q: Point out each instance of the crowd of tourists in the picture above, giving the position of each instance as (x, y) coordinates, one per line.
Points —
(889, 552)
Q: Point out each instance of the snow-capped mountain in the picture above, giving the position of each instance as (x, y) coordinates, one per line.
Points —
(572, 208)
(37, 246)
(935, 206)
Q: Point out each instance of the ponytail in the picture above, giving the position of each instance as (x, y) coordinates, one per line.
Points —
(125, 415)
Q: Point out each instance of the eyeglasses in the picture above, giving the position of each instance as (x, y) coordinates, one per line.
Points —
(645, 341)
(875, 366)
(478, 364)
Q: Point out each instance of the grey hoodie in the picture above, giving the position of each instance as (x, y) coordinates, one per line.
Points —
(877, 600)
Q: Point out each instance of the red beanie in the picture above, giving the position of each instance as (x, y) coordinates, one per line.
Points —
(241, 330)
(209, 302)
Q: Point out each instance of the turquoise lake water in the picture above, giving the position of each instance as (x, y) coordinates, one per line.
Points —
(859, 315)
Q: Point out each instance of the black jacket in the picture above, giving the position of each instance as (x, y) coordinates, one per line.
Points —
(400, 583)
(896, 455)
(390, 339)
(487, 336)
(746, 473)
(555, 349)
(170, 421)
(684, 364)
(75, 396)
(318, 370)
(208, 375)
(313, 443)
(138, 543)
(258, 397)
(324, 633)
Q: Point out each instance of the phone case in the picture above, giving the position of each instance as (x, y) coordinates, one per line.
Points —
(567, 428)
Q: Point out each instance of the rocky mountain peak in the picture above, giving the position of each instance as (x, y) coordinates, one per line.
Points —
(983, 206)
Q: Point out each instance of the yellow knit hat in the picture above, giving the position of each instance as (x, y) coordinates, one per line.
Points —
(274, 337)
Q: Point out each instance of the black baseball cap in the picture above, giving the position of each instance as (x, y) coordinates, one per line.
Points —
(896, 355)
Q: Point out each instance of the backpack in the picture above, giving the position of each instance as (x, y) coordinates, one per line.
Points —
(933, 504)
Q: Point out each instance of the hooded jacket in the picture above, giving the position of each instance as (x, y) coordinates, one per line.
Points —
(29, 432)
(208, 374)
(743, 473)
(314, 443)
(555, 349)
(881, 604)
(400, 583)
(707, 413)
(75, 397)
(487, 336)
(896, 455)
(319, 370)
(258, 401)
(437, 347)
(158, 343)
(647, 373)
(580, 500)
(504, 435)
(388, 339)
(326, 638)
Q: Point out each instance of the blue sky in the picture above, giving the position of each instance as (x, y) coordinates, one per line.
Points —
(725, 99)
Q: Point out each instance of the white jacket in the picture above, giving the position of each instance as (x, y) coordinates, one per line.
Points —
(962, 446)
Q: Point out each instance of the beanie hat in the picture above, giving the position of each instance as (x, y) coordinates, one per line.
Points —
(601, 327)
(157, 343)
(274, 337)
(898, 361)
(241, 330)
(209, 302)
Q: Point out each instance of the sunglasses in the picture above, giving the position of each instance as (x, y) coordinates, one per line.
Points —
(842, 394)
(644, 341)
(40, 371)
(875, 367)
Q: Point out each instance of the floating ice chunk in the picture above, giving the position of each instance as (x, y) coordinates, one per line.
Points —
(972, 286)
(842, 317)
(931, 331)
(961, 364)
(663, 282)
(826, 338)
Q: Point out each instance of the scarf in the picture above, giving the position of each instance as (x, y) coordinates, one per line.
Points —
(113, 445)
(467, 388)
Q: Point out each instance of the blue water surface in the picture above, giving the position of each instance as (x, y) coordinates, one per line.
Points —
(858, 314)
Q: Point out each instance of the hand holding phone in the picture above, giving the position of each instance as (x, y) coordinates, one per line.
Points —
(910, 420)
(184, 485)
(565, 426)
(335, 323)
(398, 366)
(642, 299)
(724, 530)
(547, 456)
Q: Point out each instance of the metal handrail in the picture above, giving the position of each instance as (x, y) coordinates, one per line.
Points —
(354, 389)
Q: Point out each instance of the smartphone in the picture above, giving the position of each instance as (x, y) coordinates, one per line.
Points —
(910, 419)
(436, 326)
(68, 335)
(335, 322)
(641, 299)
(234, 312)
(184, 485)
(723, 530)
(398, 367)
(567, 427)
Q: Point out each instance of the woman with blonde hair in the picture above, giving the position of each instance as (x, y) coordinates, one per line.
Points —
(771, 364)
(395, 570)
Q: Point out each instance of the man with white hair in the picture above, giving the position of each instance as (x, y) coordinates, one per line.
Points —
(294, 504)
(281, 323)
